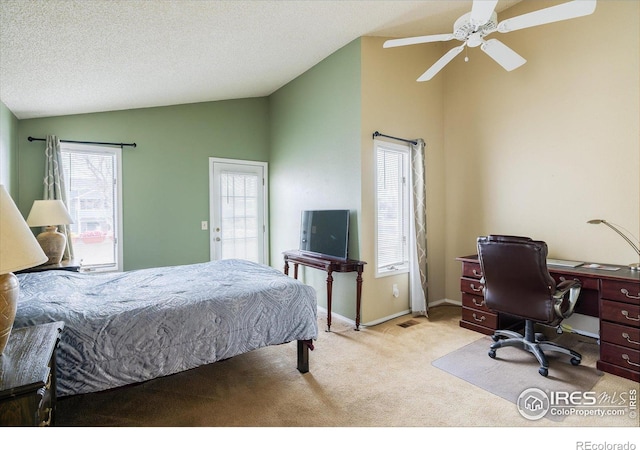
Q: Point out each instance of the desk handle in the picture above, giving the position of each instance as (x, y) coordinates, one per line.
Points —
(564, 279)
(476, 273)
(628, 338)
(626, 358)
(479, 319)
(474, 288)
(626, 293)
(625, 313)
(475, 302)
(47, 421)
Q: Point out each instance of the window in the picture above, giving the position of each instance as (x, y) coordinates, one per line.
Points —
(392, 208)
(92, 177)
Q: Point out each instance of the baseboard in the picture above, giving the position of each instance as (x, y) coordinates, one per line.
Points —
(333, 314)
(444, 301)
(385, 319)
(368, 324)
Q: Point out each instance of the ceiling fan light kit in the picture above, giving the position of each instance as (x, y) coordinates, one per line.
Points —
(472, 27)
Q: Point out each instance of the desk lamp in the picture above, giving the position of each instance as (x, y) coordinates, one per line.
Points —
(632, 266)
(18, 250)
(50, 214)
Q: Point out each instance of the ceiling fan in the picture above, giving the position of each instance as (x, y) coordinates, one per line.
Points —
(472, 27)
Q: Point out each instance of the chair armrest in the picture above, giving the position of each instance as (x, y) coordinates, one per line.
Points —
(573, 288)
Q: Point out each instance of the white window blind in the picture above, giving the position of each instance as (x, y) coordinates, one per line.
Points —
(392, 211)
(91, 178)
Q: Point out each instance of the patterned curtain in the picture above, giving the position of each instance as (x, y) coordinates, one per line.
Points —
(418, 256)
(54, 187)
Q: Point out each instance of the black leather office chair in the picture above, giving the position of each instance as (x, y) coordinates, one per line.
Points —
(516, 282)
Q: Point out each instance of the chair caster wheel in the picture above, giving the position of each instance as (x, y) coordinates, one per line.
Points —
(575, 361)
(543, 371)
(495, 338)
(492, 354)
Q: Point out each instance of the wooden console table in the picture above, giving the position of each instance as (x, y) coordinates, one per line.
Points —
(329, 265)
(611, 295)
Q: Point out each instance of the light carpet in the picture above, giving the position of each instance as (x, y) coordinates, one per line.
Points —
(381, 376)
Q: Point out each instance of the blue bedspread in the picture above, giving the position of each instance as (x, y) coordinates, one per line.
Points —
(123, 328)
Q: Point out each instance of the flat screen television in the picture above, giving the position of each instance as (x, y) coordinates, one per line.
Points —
(325, 232)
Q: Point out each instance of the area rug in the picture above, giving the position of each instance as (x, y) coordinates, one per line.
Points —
(514, 370)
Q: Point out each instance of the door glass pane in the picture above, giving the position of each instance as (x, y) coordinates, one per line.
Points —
(239, 213)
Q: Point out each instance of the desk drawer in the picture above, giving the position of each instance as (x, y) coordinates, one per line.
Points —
(587, 283)
(471, 286)
(471, 270)
(474, 302)
(620, 335)
(620, 356)
(622, 313)
(622, 291)
(479, 317)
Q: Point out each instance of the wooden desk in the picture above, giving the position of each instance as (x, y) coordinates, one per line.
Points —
(329, 265)
(612, 296)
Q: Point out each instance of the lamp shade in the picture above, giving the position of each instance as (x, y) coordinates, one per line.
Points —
(19, 249)
(48, 212)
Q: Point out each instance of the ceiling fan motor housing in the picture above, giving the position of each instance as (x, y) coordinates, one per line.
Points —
(465, 30)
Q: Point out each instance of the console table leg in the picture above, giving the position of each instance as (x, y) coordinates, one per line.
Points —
(286, 267)
(358, 297)
(329, 289)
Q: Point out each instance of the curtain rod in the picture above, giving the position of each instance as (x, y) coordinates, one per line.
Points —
(376, 134)
(31, 139)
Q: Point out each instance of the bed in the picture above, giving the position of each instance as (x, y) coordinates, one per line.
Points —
(127, 327)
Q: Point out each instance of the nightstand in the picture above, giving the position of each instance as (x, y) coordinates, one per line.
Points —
(66, 264)
(28, 376)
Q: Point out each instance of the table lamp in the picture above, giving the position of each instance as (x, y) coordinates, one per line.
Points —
(18, 250)
(632, 266)
(50, 214)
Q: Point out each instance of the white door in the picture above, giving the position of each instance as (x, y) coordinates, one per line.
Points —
(238, 206)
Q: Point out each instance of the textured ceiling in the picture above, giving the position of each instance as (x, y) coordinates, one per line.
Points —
(60, 57)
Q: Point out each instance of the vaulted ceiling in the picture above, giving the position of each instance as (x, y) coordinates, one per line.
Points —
(60, 57)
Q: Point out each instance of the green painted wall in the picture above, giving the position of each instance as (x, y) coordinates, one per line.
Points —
(315, 160)
(8, 150)
(165, 178)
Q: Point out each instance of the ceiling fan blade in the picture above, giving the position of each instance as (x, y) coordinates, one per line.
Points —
(439, 64)
(417, 40)
(563, 11)
(502, 54)
(481, 11)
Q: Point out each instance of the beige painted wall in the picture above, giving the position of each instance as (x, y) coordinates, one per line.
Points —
(394, 104)
(541, 150)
